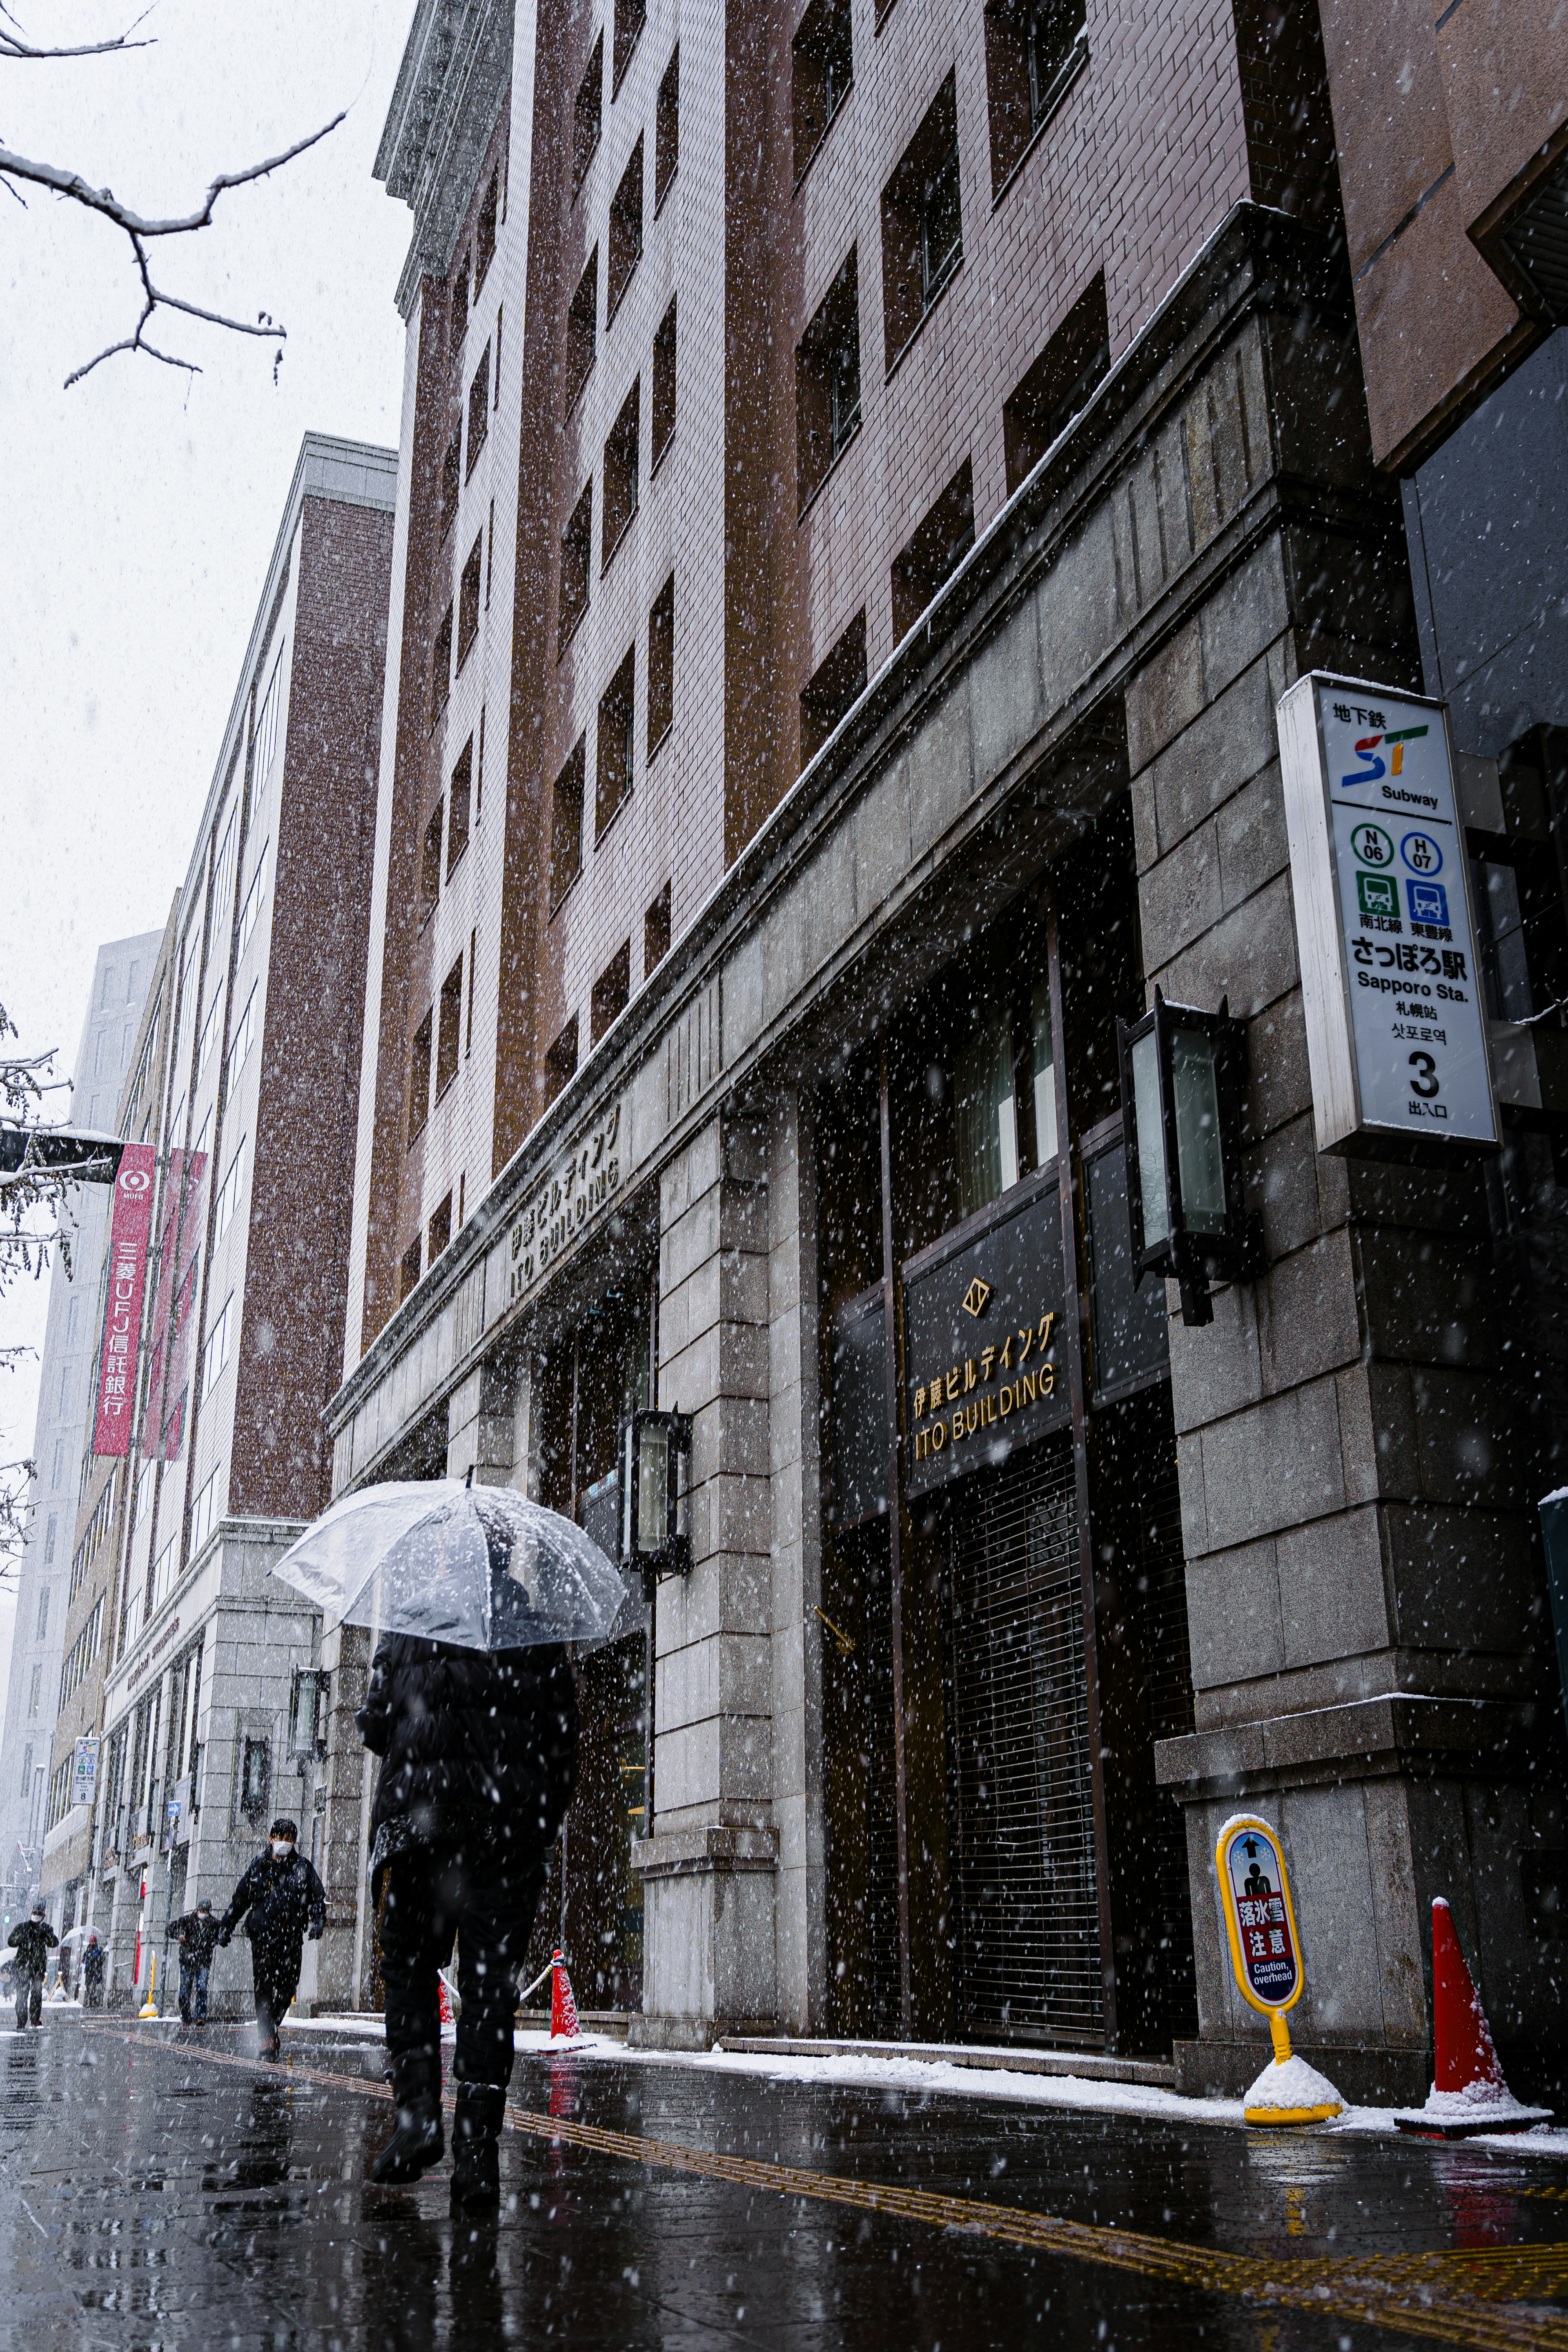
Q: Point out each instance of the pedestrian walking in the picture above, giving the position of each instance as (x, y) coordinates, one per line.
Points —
(32, 1942)
(196, 1933)
(284, 1901)
(479, 1760)
(93, 1961)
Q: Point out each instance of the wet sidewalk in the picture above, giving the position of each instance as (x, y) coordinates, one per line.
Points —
(159, 2188)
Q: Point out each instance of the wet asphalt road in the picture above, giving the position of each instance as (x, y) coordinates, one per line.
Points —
(162, 2190)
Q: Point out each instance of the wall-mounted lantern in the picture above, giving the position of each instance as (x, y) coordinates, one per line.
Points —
(1182, 1078)
(308, 1701)
(655, 1467)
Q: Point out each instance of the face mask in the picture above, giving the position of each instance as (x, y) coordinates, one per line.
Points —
(281, 1849)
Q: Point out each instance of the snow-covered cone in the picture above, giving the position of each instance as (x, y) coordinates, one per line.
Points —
(563, 2024)
(1468, 2094)
(1289, 2090)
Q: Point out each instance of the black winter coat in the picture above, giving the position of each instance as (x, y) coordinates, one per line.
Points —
(198, 1936)
(33, 1942)
(477, 1745)
(94, 1961)
(282, 1897)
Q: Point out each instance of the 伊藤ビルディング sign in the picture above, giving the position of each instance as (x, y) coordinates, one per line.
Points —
(1395, 1017)
(1260, 1919)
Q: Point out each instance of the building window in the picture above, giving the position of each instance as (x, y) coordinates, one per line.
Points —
(1062, 381)
(1034, 50)
(575, 563)
(656, 932)
(228, 1195)
(821, 59)
(430, 866)
(264, 742)
(581, 331)
(51, 1535)
(922, 240)
(621, 470)
(408, 1272)
(441, 667)
(419, 1080)
(479, 408)
(451, 481)
(438, 1235)
(203, 1515)
(587, 115)
(631, 15)
(215, 1349)
(468, 590)
(661, 665)
(625, 232)
(35, 1692)
(484, 235)
(937, 547)
(611, 991)
(252, 907)
(566, 825)
(239, 1045)
(458, 812)
(41, 1630)
(834, 685)
(560, 1062)
(663, 416)
(667, 130)
(617, 718)
(828, 383)
(459, 313)
(449, 1034)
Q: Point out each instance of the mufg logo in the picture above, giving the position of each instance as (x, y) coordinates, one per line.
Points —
(1376, 767)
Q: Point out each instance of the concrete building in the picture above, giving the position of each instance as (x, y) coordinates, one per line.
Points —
(120, 975)
(868, 477)
(195, 1669)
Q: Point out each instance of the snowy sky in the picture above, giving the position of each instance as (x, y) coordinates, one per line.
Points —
(137, 510)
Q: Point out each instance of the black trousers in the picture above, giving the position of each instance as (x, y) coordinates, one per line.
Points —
(275, 1972)
(487, 1899)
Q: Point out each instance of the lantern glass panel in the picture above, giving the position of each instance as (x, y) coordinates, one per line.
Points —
(1151, 1139)
(652, 1486)
(1200, 1162)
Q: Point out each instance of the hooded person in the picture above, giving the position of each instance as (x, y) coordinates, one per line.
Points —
(197, 1934)
(32, 1942)
(479, 1761)
(94, 1961)
(284, 1901)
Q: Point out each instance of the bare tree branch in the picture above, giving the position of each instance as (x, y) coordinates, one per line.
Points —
(12, 46)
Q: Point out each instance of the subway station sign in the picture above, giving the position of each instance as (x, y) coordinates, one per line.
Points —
(1395, 1015)
(984, 1369)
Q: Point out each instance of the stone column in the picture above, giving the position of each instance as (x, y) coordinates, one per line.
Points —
(345, 1654)
(480, 1426)
(710, 1866)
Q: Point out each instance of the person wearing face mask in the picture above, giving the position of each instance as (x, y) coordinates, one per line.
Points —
(284, 1901)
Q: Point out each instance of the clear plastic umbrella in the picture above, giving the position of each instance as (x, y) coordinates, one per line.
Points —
(480, 1567)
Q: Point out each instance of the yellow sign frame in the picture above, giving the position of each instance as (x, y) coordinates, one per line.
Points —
(1251, 1825)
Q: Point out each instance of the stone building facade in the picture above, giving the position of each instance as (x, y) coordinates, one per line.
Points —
(1018, 462)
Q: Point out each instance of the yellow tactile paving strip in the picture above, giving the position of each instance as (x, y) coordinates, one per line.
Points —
(1447, 2298)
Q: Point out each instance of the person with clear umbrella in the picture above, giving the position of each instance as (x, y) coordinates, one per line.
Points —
(472, 1707)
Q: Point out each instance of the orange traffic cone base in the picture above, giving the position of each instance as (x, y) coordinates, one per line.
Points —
(1469, 2096)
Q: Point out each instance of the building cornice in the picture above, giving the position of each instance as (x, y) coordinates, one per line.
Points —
(456, 67)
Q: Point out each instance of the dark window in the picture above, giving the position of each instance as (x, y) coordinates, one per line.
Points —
(451, 481)
(625, 232)
(449, 1033)
(560, 1062)
(833, 686)
(587, 115)
(576, 561)
(631, 15)
(656, 932)
(566, 826)
(459, 308)
(458, 802)
(667, 130)
(821, 60)
(439, 1232)
(621, 470)
(419, 1079)
(661, 665)
(468, 589)
(1059, 383)
(484, 235)
(922, 243)
(430, 865)
(827, 383)
(479, 408)
(441, 666)
(617, 727)
(664, 417)
(611, 992)
(936, 549)
(1033, 51)
(408, 1279)
(581, 331)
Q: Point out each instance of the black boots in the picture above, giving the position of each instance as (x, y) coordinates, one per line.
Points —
(475, 2148)
(417, 2143)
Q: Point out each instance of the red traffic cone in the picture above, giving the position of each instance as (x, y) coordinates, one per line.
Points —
(563, 2024)
(1468, 2094)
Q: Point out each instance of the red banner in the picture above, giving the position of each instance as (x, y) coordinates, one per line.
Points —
(175, 1303)
(128, 1234)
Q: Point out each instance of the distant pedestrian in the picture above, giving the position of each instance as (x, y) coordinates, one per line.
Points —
(479, 1755)
(285, 1900)
(93, 1961)
(32, 1942)
(196, 1933)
